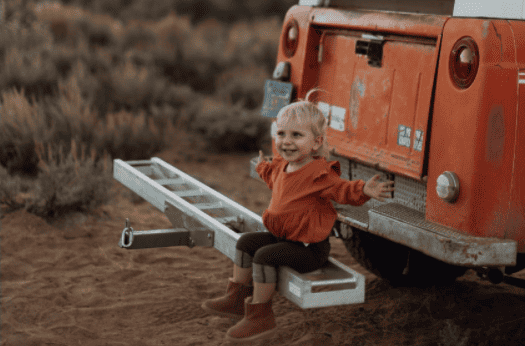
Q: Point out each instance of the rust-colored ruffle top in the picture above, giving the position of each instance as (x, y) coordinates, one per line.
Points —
(300, 209)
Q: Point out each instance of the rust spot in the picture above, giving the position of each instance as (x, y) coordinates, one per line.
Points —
(495, 135)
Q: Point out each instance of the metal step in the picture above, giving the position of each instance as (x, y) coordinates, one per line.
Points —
(333, 284)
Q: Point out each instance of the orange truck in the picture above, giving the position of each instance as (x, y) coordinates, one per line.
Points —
(430, 94)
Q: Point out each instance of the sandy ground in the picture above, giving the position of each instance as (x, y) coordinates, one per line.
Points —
(68, 283)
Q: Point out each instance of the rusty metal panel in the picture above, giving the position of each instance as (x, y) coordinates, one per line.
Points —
(408, 227)
(378, 106)
(412, 24)
(477, 140)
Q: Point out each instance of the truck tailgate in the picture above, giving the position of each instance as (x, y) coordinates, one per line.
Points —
(379, 73)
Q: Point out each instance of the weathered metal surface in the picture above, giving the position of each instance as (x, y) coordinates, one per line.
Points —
(408, 227)
(478, 140)
(378, 114)
(387, 22)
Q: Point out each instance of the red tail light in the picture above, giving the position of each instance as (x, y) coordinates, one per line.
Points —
(464, 62)
(290, 38)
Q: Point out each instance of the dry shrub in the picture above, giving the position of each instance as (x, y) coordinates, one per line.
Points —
(130, 137)
(256, 43)
(131, 84)
(208, 44)
(230, 128)
(243, 85)
(66, 22)
(72, 183)
(76, 182)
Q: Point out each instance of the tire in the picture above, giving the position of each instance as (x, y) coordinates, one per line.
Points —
(399, 264)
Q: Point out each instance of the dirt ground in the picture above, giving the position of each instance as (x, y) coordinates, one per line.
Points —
(68, 283)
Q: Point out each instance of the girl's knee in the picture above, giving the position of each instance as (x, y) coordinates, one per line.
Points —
(263, 273)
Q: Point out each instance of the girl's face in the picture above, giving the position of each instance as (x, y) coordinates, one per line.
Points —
(295, 142)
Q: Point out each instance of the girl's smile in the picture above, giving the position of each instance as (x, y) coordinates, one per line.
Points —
(295, 142)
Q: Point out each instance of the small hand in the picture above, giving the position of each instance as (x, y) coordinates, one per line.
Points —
(378, 190)
(261, 157)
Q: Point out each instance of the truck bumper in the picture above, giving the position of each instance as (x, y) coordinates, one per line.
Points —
(406, 226)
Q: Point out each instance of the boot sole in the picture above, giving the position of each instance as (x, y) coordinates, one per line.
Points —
(221, 313)
(253, 337)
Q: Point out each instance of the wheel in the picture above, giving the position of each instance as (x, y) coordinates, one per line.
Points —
(397, 263)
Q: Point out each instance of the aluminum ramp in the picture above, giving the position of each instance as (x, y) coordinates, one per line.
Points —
(204, 217)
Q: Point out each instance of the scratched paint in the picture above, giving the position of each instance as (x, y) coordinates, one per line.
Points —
(485, 29)
(357, 93)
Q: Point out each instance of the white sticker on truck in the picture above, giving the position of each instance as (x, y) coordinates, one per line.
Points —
(338, 115)
(338, 118)
(403, 135)
(418, 141)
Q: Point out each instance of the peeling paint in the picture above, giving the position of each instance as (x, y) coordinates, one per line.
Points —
(358, 92)
(485, 29)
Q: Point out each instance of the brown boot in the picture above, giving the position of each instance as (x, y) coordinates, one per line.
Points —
(258, 322)
(232, 304)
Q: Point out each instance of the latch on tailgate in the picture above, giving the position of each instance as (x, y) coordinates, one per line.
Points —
(373, 49)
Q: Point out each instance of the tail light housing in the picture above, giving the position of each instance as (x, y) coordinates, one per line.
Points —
(464, 62)
(290, 38)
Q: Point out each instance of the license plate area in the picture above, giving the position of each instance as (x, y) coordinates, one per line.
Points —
(276, 96)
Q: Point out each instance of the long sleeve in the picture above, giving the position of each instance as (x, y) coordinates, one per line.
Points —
(264, 169)
(343, 191)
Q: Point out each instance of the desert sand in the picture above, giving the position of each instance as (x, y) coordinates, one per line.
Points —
(68, 282)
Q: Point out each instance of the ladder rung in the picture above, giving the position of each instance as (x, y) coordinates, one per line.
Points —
(223, 220)
(175, 181)
(189, 193)
(202, 206)
(158, 172)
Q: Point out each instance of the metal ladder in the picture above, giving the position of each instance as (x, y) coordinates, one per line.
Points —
(205, 217)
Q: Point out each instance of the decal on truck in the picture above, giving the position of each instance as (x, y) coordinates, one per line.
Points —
(403, 136)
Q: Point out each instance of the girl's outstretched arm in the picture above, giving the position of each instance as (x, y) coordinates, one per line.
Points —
(264, 169)
(377, 190)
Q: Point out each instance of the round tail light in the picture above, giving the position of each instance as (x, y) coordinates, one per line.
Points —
(291, 38)
(447, 186)
(464, 62)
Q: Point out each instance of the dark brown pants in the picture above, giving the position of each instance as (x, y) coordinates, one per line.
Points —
(265, 253)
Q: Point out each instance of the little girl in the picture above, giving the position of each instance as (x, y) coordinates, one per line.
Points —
(299, 219)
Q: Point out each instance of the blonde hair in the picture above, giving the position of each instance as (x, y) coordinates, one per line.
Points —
(307, 112)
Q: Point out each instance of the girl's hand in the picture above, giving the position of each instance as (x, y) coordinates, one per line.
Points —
(377, 190)
(261, 157)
